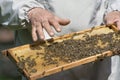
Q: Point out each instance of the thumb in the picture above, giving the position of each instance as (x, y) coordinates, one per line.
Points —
(63, 21)
(118, 24)
(110, 22)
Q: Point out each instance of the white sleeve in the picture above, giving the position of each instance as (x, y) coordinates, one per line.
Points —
(113, 5)
(14, 12)
(24, 7)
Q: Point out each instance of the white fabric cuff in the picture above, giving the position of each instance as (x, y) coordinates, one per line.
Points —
(114, 6)
(22, 13)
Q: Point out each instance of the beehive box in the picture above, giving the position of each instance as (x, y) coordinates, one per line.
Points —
(30, 58)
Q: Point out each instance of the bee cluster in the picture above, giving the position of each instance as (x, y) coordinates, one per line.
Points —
(27, 63)
(71, 50)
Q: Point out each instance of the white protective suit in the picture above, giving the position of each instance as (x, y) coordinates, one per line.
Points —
(83, 14)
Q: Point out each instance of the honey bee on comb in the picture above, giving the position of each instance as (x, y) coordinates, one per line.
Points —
(71, 50)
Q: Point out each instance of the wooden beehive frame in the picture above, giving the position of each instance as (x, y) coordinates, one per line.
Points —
(10, 54)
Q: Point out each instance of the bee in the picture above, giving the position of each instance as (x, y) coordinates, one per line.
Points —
(92, 29)
(43, 73)
(33, 71)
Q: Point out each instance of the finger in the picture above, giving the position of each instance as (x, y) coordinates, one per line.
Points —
(48, 28)
(109, 19)
(118, 24)
(34, 34)
(56, 25)
(110, 22)
(40, 32)
(63, 21)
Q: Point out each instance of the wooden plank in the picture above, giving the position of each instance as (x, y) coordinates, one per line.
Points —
(73, 64)
(113, 27)
(32, 49)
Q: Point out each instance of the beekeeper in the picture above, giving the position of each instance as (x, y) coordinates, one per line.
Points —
(37, 19)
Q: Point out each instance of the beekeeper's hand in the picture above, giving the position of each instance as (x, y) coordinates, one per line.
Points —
(113, 18)
(41, 18)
